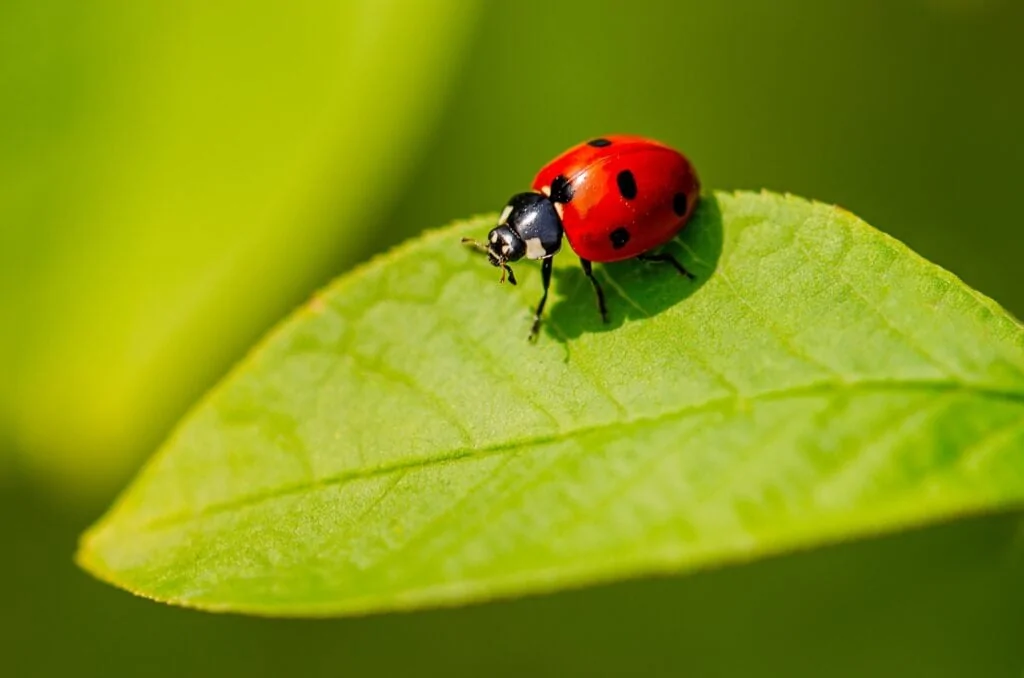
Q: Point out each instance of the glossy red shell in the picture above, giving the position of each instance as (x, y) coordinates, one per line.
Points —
(600, 212)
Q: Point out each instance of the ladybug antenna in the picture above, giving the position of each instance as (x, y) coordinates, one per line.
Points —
(478, 246)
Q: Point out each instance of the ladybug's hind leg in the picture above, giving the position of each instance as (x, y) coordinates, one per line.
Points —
(668, 259)
(589, 270)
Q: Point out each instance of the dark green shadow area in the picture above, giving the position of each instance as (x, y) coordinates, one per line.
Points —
(936, 602)
(637, 290)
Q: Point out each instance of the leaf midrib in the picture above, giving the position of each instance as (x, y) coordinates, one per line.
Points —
(464, 453)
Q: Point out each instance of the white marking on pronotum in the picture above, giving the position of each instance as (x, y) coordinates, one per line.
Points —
(504, 215)
(559, 209)
(534, 249)
(546, 190)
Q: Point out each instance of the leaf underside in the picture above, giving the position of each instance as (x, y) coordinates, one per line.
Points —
(398, 443)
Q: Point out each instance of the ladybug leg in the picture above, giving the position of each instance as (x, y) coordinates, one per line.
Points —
(667, 258)
(545, 275)
(589, 270)
(505, 268)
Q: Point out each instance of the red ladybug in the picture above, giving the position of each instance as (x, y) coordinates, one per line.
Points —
(614, 198)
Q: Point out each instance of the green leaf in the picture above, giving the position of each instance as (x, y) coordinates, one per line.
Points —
(398, 443)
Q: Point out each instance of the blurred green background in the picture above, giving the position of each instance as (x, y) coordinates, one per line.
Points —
(174, 177)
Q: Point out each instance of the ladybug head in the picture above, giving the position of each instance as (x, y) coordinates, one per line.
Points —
(504, 245)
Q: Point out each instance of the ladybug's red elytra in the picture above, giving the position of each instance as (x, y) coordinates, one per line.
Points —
(613, 198)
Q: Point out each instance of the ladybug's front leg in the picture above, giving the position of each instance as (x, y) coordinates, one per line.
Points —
(589, 270)
(545, 276)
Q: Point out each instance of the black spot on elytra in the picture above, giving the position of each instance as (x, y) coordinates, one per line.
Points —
(619, 238)
(627, 184)
(599, 143)
(679, 204)
(561, 190)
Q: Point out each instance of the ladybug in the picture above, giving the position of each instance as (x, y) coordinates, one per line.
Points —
(613, 198)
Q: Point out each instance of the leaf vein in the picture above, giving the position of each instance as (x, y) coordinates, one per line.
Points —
(464, 454)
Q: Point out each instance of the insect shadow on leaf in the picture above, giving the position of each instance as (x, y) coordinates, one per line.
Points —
(635, 290)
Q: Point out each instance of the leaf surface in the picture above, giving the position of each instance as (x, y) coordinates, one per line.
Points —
(397, 442)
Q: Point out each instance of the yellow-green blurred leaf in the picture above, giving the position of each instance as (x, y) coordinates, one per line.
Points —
(173, 176)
